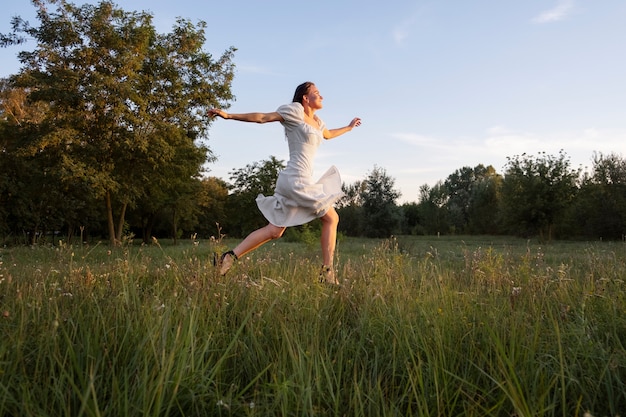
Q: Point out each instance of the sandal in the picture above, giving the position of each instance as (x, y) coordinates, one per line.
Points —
(225, 261)
(327, 276)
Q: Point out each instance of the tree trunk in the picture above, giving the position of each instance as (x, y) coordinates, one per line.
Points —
(32, 238)
(110, 223)
(70, 234)
(120, 222)
(148, 225)
(550, 229)
(174, 225)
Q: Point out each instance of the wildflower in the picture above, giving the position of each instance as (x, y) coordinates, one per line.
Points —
(515, 292)
(221, 403)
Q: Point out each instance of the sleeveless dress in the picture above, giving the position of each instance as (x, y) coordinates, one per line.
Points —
(297, 198)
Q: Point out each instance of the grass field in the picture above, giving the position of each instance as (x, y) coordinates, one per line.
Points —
(451, 326)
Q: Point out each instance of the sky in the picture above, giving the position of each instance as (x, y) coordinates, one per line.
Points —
(439, 85)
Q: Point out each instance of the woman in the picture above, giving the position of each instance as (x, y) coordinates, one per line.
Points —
(297, 199)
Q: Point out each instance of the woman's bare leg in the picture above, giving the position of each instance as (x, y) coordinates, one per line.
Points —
(330, 220)
(250, 243)
(258, 238)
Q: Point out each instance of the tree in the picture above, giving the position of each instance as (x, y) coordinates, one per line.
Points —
(381, 215)
(483, 214)
(432, 209)
(31, 199)
(536, 192)
(472, 199)
(411, 219)
(352, 194)
(600, 207)
(350, 209)
(126, 104)
(212, 202)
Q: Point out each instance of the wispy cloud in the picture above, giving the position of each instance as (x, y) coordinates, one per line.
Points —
(499, 142)
(559, 12)
(415, 139)
(402, 30)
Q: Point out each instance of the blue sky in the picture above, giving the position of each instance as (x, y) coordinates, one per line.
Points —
(439, 85)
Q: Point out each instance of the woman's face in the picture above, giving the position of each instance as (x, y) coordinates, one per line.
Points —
(313, 98)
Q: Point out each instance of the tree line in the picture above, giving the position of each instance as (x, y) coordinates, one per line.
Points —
(103, 136)
(540, 196)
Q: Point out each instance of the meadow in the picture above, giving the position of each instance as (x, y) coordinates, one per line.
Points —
(421, 326)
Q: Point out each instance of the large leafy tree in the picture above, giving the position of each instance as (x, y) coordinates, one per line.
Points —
(472, 202)
(472, 198)
(126, 105)
(13, 113)
(31, 198)
(485, 202)
(535, 193)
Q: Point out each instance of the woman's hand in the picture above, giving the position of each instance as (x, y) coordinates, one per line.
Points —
(333, 133)
(355, 122)
(218, 112)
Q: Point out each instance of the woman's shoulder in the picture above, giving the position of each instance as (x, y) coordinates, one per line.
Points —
(291, 112)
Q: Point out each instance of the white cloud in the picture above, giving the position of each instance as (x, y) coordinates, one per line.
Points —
(416, 139)
(559, 12)
(402, 30)
(417, 159)
(606, 140)
(579, 146)
(498, 143)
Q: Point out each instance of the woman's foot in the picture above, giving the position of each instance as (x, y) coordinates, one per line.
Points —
(327, 275)
(226, 261)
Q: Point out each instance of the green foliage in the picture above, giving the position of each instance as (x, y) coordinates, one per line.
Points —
(309, 234)
(125, 106)
(536, 192)
(599, 209)
(479, 327)
(212, 201)
(472, 202)
(381, 216)
(247, 183)
(350, 209)
(432, 210)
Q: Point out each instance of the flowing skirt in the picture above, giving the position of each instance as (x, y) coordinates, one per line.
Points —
(297, 200)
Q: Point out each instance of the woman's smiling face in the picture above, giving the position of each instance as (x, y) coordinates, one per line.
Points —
(313, 98)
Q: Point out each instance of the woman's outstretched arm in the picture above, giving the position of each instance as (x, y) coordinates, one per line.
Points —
(247, 117)
(333, 133)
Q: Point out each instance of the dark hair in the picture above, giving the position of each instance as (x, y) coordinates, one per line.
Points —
(301, 91)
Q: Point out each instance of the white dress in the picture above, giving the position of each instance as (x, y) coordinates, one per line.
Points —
(297, 198)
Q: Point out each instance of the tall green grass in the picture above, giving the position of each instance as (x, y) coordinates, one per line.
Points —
(426, 327)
